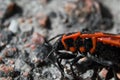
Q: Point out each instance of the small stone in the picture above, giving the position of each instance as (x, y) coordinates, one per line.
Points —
(103, 73)
(69, 7)
(44, 1)
(13, 26)
(30, 20)
(24, 39)
(9, 78)
(18, 64)
(54, 76)
(5, 68)
(2, 44)
(1, 35)
(6, 78)
(81, 20)
(88, 5)
(33, 46)
(5, 52)
(25, 74)
(44, 21)
(89, 73)
(11, 61)
(10, 52)
(7, 36)
(26, 68)
(1, 58)
(37, 38)
(52, 14)
(118, 75)
(26, 28)
(36, 60)
(14, 49)
(3, 78)
(21, 65)
(21, 20)
(11, 10)
(27, 45)
(83, 59)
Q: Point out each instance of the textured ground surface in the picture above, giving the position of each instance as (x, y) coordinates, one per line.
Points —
(28, 50)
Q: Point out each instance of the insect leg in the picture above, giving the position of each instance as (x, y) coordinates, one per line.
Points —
(95, 74)
(59, 64)
(74, 62)
(109, 74)
(62, 73)
(63, 55)
(115, 74)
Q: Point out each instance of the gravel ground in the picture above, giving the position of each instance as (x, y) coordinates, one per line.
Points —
(115, 10)
(21, 48)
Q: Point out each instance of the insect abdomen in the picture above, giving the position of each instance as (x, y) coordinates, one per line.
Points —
(108, 52)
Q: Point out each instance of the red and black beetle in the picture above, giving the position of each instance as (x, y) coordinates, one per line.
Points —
(102, 48)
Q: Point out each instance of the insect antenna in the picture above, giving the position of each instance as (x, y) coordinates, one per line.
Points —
(50, 53)
(55, 37)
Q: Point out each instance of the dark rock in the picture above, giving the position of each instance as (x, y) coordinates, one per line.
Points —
(11, 10)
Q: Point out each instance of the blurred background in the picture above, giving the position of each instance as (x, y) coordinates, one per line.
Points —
(52, 17)
(26, 24)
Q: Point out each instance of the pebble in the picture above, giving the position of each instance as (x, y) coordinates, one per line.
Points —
(22, 66)
(37, 38)
(118, 75)
(44, 21)
(69, 8)
(25, 74)
(103, 73)
(6, 69)
(10, 52)
(44, 1)
(89, 73)
(13, 26)
(4, 78)
(33, 46)
(12, 9)
(25, 27)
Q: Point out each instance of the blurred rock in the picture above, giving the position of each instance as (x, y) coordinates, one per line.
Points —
(11, 10)
(44, 1)
(44, 21)
(69, 8)
(37, 38)
(6, 69)
(118, 75)
(25, 27)
(20, 65)
(88, 74)
(14, 26)
(6, 36)
(39, 54)
(103, 73)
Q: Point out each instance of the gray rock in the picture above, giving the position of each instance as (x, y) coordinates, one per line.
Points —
(22, 66)
(13, 26)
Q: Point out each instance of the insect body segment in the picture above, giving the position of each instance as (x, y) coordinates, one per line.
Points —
(68, 41)
(78, 41)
